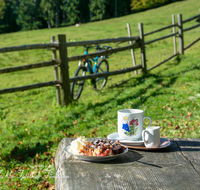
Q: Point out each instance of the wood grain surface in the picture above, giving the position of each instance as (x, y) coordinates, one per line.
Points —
(175, 167)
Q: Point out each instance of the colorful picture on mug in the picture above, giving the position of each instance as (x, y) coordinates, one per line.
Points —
(129, 125)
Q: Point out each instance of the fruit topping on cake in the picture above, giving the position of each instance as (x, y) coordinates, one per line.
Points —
(97, 147)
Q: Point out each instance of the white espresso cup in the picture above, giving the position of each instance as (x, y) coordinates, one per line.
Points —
(130, 123)
(151, 137)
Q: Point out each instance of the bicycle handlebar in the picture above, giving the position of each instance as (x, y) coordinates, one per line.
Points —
(98, 48)
(87, 47)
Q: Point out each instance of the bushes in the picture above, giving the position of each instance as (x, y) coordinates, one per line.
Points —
(137, 5)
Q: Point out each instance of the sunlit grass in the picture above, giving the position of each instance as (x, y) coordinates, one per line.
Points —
(32, 124)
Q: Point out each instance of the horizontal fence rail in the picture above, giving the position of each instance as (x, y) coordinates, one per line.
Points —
(31, 66)
(106, 74)
(163, 61)
(158, 30)
(105, 52)
(28, 47)
(192, 18)
(191, 44)
(190, 28)
(102, 41)
(54, 45)
(161, 38)
(29, 87)
(61, 45)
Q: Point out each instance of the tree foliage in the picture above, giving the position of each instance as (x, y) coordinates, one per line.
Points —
(145, 4)
(48, 10)
(72, 11)
(97, 8)
(2, 8)
(8, 16)
(29, 14)
(36, 14)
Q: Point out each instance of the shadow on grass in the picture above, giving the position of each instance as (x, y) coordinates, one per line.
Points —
(26, 153)
(140, 80)
(157, 79)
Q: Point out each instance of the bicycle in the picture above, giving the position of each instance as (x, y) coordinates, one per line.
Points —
(85, 66)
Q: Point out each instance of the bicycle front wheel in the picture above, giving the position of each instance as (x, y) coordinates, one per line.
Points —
(77, 87)
(102, 67)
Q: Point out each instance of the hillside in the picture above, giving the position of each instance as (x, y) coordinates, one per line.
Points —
(32, 123)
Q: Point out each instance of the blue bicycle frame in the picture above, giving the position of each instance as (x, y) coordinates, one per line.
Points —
(89, 67)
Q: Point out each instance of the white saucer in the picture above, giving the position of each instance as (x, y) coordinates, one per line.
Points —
(115, 136)
(164, 143)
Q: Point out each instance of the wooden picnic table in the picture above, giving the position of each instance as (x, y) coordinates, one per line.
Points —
(174, 167)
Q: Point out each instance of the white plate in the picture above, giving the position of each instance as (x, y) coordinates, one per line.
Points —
(95, 158)
(115, 136)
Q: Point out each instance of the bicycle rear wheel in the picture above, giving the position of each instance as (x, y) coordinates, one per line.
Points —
(102, 67)
(77, 87)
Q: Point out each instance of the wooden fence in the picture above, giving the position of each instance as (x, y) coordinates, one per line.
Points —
(61, 45)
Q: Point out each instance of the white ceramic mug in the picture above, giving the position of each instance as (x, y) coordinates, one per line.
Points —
(151, 137)
(130, 123)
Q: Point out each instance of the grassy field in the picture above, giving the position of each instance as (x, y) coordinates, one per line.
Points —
(32, 124)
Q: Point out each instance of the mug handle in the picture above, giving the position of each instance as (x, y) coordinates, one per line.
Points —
(148, 118)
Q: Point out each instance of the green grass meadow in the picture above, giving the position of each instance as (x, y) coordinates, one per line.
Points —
(32, 124)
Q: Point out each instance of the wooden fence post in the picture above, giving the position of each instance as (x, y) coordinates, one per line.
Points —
(56, 74)
(180, 32)
(64, 70)
(132, 52)
(174, 31)
(143, 55)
